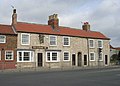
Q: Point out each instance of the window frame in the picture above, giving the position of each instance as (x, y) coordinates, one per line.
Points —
(12, 52)
(68, 41)
(101, 57)
(51, 60)
(0, 56)
(101, 44)
(28, 38)
(68, 56)
(93, 43)
(3, 39)
(31, 58)
(50, 40)
(90, 56)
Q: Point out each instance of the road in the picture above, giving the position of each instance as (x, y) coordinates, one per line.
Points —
(109, 77)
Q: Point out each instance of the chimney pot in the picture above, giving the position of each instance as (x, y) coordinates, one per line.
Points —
(53, 21)
(86, 26)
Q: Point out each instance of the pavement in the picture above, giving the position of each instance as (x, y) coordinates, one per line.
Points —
(41, 69)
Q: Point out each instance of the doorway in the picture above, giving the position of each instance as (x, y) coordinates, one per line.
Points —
(106, 59)
(79, 59)
(73, 60)
(85, 59)
(40, 59)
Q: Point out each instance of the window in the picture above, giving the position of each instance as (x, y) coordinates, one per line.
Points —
(100, 56)
(66, 41)
(66, 56)
(25, 39)
(53, 40)
(0, 55)
(92, 56)
(2, 39)
(52, 56)
(91, 43)
(25, 56)
(8, 55)
(100, 44)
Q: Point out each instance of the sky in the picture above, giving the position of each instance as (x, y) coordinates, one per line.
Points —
(103, 15)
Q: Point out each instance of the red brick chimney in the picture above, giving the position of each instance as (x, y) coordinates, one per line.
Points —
(53, 21)
(86, 26)
(14, 17)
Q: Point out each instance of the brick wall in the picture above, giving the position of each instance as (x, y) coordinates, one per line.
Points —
(11, 44)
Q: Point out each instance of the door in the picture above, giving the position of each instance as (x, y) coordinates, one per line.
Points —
(40, 59)
(106, 59)
(79, 59)
(85, 59)
(73, 59)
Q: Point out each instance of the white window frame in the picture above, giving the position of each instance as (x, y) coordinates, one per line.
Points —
(90, 56)
(93, 43)
(51, 56)
(6, 54)
(68, 40)
(101, 57)
(3, 39)
(28, 38)
(68, 55)
(0, 55)
(101, 43)
(31, 56)
(55, 40)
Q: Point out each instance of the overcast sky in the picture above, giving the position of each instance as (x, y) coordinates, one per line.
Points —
(103, 15)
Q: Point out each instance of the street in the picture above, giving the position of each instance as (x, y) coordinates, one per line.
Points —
(96, 77)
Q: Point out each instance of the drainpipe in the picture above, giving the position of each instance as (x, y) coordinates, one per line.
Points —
(88, 50)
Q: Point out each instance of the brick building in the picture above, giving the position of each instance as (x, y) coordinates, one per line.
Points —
(8, 45)
(54, 46)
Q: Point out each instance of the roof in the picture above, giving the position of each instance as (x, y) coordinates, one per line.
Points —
(47, 29)
(116, 48)
(6, 29)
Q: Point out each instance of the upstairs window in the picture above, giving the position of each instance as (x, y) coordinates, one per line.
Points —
(2, 39)
(100, 44)
(53, 40)
(25, 39)
(66, 41)
(91, 43)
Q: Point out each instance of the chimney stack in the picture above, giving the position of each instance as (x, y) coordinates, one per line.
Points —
(86, 26)
(53, 21)
(14, 17)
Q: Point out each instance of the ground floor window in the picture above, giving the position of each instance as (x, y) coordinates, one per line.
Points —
(52, 56)
(66, 56)
(92, 56)
(25, 56)
(0, 55)
(9, 55)
(100, 56)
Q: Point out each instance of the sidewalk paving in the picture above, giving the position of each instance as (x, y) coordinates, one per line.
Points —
(41, 69)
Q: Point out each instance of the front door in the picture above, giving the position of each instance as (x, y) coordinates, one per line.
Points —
(85, 59)
(79, 59)
(73, 60)
(40, 59)
(106, 59)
